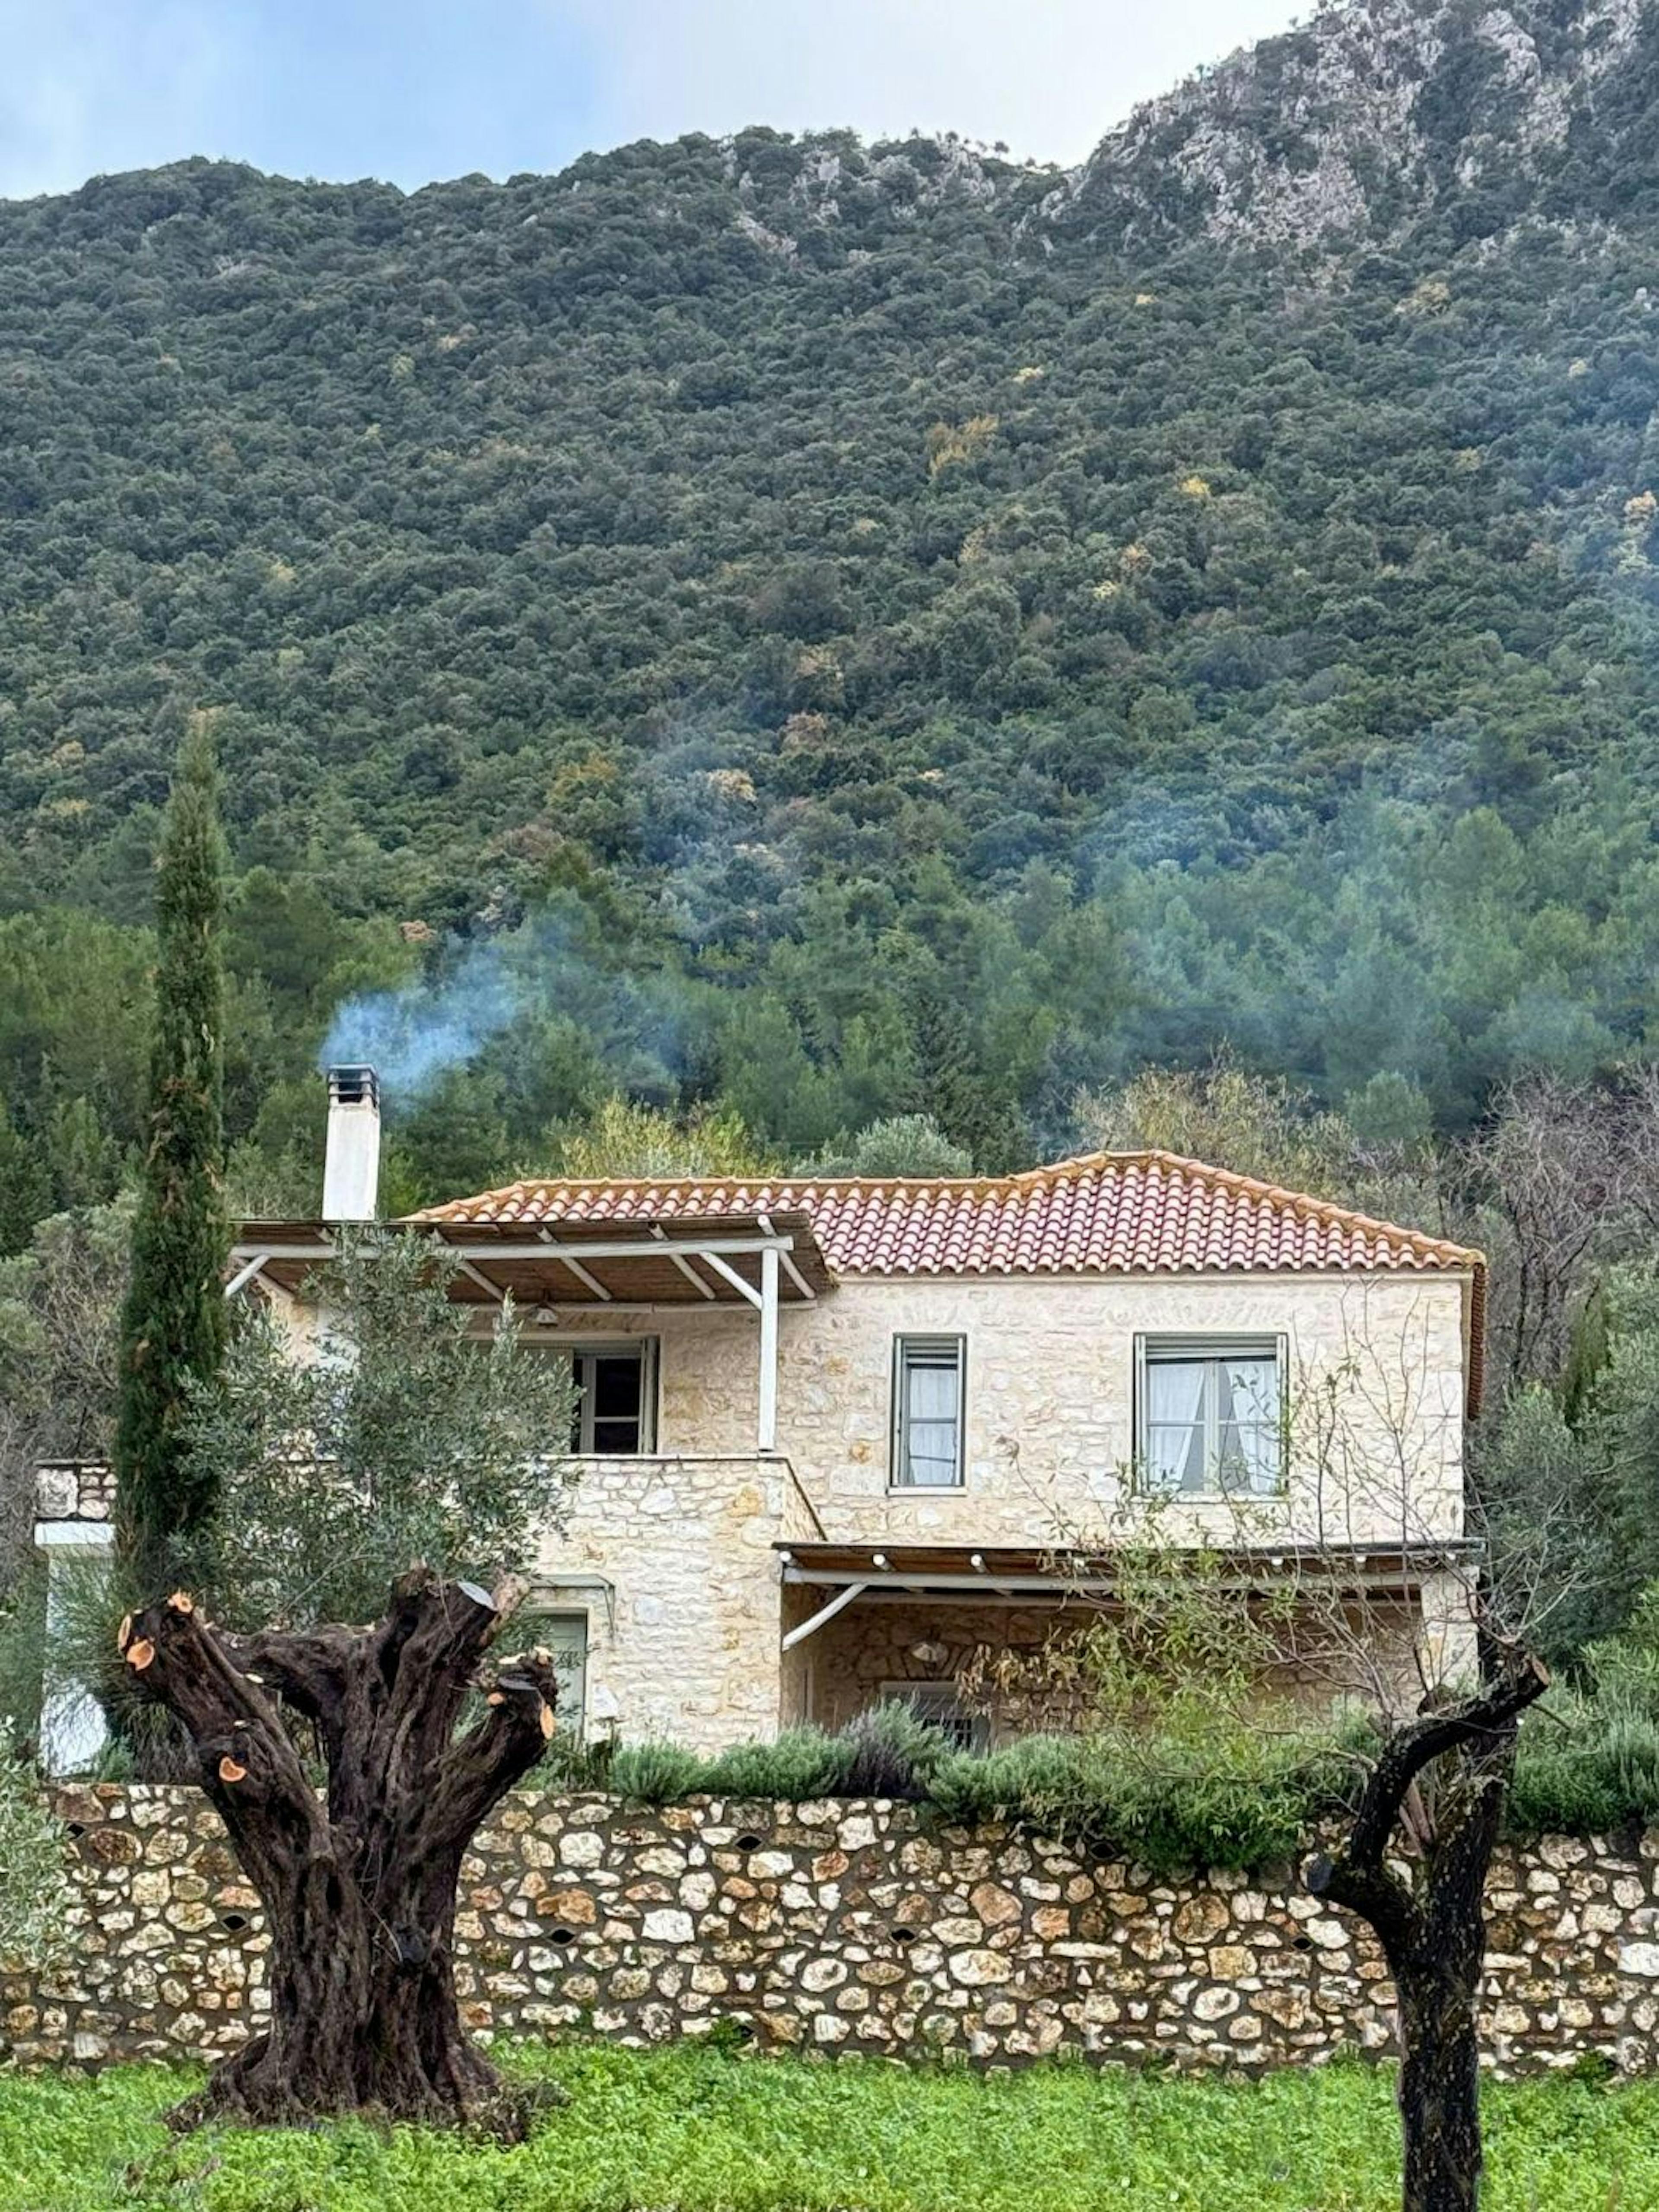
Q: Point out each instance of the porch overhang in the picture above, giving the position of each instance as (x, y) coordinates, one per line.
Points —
(959, 1574)
(582, 1271)
(636, 1266)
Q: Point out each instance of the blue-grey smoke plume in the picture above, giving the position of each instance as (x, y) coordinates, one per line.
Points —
(412, 1033)
(540, 979)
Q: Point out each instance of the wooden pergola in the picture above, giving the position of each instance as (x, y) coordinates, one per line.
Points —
(589, 1269)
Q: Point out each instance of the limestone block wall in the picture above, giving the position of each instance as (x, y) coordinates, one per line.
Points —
(1050, 1400)
(683, 1604)
(845, 1926)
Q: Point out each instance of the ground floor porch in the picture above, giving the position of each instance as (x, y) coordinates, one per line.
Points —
(983, 1641)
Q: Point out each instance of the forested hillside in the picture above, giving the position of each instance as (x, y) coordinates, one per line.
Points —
(836, 630)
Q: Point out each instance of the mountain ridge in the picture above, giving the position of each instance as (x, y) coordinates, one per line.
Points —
(791, 593)
(1296, 140)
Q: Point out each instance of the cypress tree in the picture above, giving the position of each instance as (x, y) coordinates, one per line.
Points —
(173, 1323)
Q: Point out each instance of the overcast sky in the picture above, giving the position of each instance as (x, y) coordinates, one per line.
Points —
(415, 89)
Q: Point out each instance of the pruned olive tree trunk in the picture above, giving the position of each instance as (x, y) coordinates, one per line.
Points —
(1443, 1778)
(358, 1884)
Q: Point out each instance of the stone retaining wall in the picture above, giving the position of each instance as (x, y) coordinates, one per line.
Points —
(845, 1927)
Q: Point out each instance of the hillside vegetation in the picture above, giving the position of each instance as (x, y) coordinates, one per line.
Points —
(844, 630)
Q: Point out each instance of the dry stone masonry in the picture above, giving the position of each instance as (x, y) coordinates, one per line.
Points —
(845, 1926)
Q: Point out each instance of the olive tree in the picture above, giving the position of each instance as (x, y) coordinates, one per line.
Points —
(384, 1431)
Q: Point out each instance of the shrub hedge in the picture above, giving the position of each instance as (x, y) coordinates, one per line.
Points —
(1582, 1769)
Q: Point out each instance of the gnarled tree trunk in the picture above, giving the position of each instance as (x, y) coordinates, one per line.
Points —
(358, 1885)
(1432, 1929)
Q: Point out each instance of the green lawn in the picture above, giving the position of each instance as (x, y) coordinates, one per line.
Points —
(689, 2130)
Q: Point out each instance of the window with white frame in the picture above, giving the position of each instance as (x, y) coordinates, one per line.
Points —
(1210, 1415)
(929, 1382)
(614, 1416)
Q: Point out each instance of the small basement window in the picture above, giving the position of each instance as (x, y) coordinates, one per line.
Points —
(939, 1705)
(1210, 1415)
(929, 1388)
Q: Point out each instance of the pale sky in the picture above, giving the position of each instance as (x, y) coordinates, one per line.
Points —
(411, 90)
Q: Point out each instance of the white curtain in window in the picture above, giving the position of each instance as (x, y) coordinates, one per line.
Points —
(1248, 1411)
(1175, 1424)
(932, 1396)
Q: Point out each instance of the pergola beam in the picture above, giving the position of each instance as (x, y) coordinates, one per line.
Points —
(608, 1248)
(483, 1280)
(789, 1266)
(683, 1265)
(245, 1274)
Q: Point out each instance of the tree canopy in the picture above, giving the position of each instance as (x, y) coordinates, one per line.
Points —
(844, 637)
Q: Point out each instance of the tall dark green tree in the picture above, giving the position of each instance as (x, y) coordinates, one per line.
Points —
(173, 1323)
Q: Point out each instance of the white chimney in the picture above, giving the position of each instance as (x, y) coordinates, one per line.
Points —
(351, 1161)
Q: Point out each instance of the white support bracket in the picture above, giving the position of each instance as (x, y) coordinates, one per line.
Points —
(789, 1267)
(843, 1597)
(245, 1274)
(588, 1281)
(729, 1273)
(683, 1264)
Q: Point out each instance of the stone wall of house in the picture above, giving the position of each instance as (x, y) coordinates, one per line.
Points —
(683, 1603)
(845, 1927)
(1050, 1394)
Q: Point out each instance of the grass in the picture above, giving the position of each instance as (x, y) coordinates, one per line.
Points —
(691, 2130)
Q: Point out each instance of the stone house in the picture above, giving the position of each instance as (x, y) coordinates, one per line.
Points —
(839, 1436)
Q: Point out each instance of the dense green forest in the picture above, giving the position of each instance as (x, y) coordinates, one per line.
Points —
(824, 631)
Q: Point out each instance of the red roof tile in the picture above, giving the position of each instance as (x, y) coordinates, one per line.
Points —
(1107, 1213)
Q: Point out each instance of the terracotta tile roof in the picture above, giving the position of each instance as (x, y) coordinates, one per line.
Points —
(1106, 1213)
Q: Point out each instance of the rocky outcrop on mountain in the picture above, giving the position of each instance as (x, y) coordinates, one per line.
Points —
(1356, 125)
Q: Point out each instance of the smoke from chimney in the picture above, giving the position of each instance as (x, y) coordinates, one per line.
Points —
(351, 1161)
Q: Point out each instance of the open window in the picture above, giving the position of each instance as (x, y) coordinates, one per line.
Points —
(615, 1415)
(1210, 1415)
(929, 1396)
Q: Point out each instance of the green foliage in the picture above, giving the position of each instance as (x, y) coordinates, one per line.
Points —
(422, 1441)
(1175, 1807)
(35, 1889)
(1570, 1479)
(802, 1763)
(172, 1325)
(705, 2131)
(656, 1774)
(1585, 1768)
(891, 1753)
(1114, 673)
(1171, 1807)
(624, 1139)
(1375, 1155)
(1589, 1759)
(60, 1300)
(901, 1145)
(22, 1654)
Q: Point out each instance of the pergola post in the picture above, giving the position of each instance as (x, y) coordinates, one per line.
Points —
(768, 1437)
